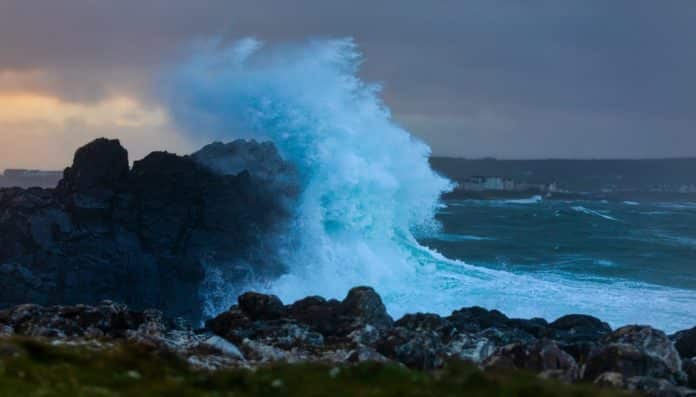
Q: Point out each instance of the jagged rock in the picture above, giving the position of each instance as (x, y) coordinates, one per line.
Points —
(106, 319)
(689, 368)
(260, 330)
(422, 350)
(579, 327)
(98, 165)
(656, 387)
(578, 334)
(627, 360)
(537, 327)
(649, 340)
(230, 324)
(261, 307)
(540, 356)
(364, 306)
(474, 319)
(427, 322)
(318, 313)
(685, 342)
(363, 354)
(470, 347)
(139, 236)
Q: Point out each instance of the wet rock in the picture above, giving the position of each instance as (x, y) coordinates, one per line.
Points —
(474, 319)
(230, 324)
(543, 355)
(363, 306)
(689, 368)
(424, 322)
(578, 334)
(422, 350)
(625, 359)
(106, 319)
(318, 313)
(365, 354)
(470, 347)
(650, 341)
(506, 336)
(260, 306)
(610, 379)
(537, 327)
(656, 387)
(265, 353)
(579, 327)
(685, 342)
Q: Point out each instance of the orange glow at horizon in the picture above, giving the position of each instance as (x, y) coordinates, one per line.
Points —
(43, 131)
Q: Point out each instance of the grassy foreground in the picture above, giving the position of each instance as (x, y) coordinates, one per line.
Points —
(29, 368)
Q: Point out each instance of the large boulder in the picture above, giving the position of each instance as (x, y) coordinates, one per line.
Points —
(474, 319)
(543, 356)
(578, 334)
(689, 368)
(421, 350)
(685, 342)
(260, 306)
(98, 165)
(579, 327)
(363, 306)
(635, 351)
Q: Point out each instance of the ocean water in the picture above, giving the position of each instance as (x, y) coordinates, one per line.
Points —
(639, 242)
(370, 213)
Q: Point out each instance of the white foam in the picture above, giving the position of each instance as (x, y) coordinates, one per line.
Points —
(588, 211)
(367, 186)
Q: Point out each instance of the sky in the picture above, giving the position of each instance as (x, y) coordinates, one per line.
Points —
(472, 78)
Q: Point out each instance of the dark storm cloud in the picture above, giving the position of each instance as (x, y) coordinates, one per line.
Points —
(507, 78)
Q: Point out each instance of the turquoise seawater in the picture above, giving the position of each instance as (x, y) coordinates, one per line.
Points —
(647, 242)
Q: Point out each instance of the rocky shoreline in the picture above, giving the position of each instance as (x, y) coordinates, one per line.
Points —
(261, 330)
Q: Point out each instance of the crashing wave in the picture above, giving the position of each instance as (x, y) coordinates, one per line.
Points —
(366, 188)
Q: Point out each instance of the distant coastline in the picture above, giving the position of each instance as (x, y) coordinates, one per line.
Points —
(650, 179)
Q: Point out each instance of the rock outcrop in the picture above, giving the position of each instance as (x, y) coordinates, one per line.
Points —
(141, 236)
(262, 330)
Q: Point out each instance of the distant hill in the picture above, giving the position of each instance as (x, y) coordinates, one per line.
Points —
(593, 176)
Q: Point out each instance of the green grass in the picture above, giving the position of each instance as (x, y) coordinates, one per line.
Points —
(29, 368)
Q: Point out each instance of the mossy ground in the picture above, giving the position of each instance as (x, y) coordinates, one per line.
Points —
(29, 368)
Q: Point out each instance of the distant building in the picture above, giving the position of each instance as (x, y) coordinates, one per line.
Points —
(481, 183)
(496, 183)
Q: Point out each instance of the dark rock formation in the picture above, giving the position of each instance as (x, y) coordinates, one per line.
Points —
(635, 351)
(689, 368)
(260, 330)
(685, 342)
(542, 356)
(141, 236)
(579, 334)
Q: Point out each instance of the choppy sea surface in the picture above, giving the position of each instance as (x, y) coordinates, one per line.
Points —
(648, 242)
(649, 246)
